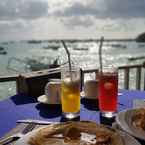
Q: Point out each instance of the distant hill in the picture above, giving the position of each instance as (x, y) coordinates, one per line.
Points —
(140, 37)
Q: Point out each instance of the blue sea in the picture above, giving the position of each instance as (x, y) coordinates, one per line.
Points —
(26, 56)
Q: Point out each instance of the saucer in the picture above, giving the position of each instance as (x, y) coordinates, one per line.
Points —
(87, 97)
(44, 100)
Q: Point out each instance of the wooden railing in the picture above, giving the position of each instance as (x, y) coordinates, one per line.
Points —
(127, 73)
(32, 83)
(22, 80)
(138, 76)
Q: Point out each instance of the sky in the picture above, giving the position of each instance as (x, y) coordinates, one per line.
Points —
(71, 19)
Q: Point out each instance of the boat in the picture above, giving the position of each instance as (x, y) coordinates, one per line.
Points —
(34, 41)
(118, 45)
(81, 49)
(2, 48)
(36, 65)
(136, 58)
(54, 47)
(31, 64)
(141, 45)
(3, 51)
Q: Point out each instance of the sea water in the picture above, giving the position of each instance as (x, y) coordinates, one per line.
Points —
(24, 56)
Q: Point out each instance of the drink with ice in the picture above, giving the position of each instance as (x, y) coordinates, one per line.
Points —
(108, 92)
(70, 92)
(70, 95)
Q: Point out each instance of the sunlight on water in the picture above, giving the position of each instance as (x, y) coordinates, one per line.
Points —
(85, 54)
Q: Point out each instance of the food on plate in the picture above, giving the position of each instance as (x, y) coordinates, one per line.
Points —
(76, 133)
(138, 119)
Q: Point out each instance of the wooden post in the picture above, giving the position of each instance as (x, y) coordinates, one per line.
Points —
(126, 78)
(21, 85)
(33, 84)
(144, 80)
(138, 78)
(82, 78)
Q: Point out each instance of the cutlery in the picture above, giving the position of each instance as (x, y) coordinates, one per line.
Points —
(38, 122)
(16, 136)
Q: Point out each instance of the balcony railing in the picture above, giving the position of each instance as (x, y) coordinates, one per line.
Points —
(127, 70)
(35, 81)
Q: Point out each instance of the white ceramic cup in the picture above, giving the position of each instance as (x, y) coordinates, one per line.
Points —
(91, 89)
(53, 91)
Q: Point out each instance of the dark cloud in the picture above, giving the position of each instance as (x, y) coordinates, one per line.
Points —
(106, 9)
(101, 14)
(26, 9)
(101, 9)
(125, 9)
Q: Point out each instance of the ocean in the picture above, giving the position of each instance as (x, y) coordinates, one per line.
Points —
(25, 56)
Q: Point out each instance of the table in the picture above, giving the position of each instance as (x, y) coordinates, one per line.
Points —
(24, 107)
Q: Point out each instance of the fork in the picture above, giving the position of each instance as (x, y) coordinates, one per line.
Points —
(18, 135)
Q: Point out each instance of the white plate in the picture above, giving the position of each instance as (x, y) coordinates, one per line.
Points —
(123, 119)
(128, 140)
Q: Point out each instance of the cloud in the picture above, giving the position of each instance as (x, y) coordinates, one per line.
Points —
(15, 27)
(75, 9)
(23, 9)
(77, 13)
(118, 25)
(73, 22)
(105, 9)
(70, 18)
(125, 9)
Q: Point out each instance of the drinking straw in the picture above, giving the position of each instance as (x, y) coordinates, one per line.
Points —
(100, 54)
(68, 54)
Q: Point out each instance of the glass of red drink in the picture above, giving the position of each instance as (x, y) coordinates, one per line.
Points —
(108, 91)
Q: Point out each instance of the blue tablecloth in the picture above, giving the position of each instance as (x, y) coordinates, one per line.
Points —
(24, 107)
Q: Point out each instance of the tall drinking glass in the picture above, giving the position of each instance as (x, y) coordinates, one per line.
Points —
(70, 91)
(108, 91)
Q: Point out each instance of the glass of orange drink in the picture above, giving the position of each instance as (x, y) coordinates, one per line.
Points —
(70, 91)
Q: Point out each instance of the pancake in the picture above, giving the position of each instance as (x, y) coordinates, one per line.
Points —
(138, 119)
(76, 133)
